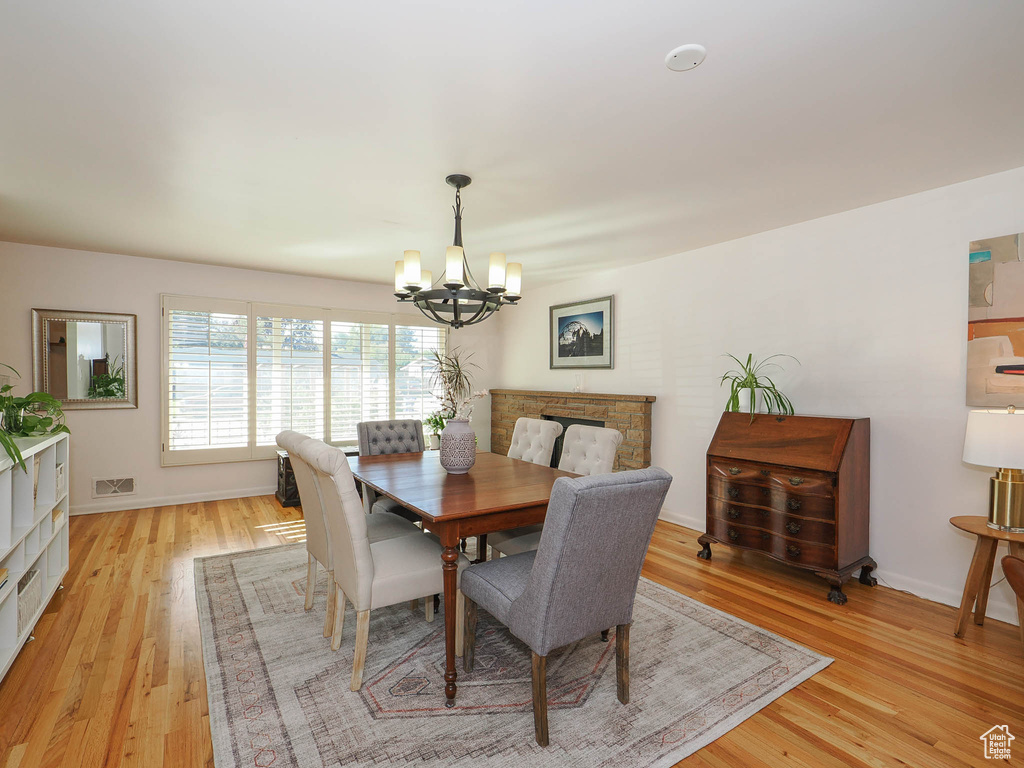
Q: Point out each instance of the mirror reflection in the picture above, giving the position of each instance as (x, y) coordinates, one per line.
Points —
(85, 361)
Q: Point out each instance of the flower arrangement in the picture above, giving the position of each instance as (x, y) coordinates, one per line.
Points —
(452, 376)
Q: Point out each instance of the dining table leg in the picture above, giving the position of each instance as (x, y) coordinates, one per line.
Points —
(450, 565)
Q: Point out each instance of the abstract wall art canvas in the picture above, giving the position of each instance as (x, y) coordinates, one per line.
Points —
(995, 322)
(581, 334)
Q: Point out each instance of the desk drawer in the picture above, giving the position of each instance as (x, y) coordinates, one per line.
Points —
(773, 497)
(804, 481)
(778, 523)
(787, 550)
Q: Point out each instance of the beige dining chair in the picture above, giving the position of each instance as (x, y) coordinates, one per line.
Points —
(586, 451)
(372, 574)
(382, 526)
(533, 440)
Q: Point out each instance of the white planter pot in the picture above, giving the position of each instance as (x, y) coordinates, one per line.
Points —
(458, 447)
(744, 398)
(435, 442)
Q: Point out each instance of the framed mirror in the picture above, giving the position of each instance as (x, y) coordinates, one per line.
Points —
(85, 359)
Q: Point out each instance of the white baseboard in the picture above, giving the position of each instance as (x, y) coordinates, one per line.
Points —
(998, 608)
(141, 502)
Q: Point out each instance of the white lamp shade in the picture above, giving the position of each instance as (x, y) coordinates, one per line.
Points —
(995, 439)
(412, 268)
(514, 280)
(426, 280)
(453, 265)
(496, 271)
(400, 277)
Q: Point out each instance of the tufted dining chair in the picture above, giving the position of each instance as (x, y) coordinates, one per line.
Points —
(371, 574)
(380, 438)
(318, 549)
(580, 580)
(585, 451)
(533, 440)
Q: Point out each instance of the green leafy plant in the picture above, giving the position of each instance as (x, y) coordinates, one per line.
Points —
(34, 415)
(452, 376)
(751, 376)
(435, 422)
(110, 384)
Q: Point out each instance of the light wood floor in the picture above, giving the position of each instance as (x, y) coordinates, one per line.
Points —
(115, 675)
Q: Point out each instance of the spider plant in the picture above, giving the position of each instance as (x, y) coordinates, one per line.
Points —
(452, 376)
(34, 415)
(752, 376)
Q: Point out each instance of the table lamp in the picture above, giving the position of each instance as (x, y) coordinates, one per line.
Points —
(996, 439)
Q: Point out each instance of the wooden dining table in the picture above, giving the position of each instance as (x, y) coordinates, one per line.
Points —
(498, 493)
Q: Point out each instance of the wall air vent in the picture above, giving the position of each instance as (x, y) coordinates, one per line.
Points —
(113, 486)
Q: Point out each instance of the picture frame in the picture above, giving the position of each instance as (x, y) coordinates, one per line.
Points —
(581, 334)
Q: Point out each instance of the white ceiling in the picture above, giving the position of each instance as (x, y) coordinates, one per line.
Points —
(315, 137)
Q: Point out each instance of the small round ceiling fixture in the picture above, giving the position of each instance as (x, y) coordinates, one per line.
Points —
(685, 57)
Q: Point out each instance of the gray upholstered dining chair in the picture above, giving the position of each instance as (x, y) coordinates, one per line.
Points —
(382, 526)
(586, 450)
(371, 574)
(582, 578)
(380, 438)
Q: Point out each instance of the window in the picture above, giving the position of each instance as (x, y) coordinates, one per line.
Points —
(317, 371)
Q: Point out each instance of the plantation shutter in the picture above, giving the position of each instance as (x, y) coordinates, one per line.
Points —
(360, 377)
(289, 372)
(414, 396)
(207, 381)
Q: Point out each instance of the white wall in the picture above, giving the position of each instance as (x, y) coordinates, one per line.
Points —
(873, 302)
(120, 443)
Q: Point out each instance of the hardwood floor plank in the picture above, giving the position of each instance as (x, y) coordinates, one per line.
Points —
(115, 676)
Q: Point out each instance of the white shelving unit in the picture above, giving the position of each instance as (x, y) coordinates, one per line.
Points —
(30, 538)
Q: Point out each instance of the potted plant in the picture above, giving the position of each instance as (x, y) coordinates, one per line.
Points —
(457, 440)
(110, 384)
(750, 379)
(435, 424)
(34, 415)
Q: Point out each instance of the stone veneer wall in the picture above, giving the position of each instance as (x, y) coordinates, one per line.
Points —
(630, 414)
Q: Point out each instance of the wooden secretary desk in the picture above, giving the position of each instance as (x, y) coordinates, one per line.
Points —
(795, 488)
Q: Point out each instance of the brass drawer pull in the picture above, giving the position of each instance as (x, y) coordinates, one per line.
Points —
(733, 492)
(733, 534)
(793, 526)
(765, 492)
(765, 536)
(763, 512)
(766, 473)
(793, 551)
(796, 481)
(733, 512)
(793, 504)
(734, 470)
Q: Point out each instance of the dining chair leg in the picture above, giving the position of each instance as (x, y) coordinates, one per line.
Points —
(359, 661)
(413, 605)
(540, 699)
(310, 581)
(331, 597)
(604, 635)
(622, 662)
(339, 618)
(460, 623)
(428, 608)
(468, 634)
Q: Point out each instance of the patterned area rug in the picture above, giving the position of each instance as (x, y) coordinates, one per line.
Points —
(279, 697)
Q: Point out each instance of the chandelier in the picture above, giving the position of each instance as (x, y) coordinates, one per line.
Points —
(457, 299)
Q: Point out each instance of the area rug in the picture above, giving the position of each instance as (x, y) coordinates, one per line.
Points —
(279, 696)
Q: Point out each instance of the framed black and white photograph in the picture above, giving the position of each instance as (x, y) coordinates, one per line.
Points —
(581, 334)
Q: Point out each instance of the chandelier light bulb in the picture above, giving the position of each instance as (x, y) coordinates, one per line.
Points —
(453, 276)
(514, 280)
(400, 277)
(412, 268)
(496, 271)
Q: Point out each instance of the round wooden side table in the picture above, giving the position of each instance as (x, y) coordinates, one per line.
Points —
(979, 577)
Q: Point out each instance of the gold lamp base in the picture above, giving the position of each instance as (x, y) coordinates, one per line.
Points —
(1006, 496)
